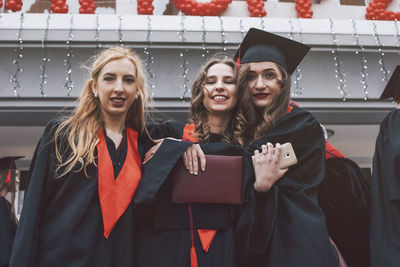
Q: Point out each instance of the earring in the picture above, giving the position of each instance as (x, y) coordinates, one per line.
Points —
(96, 94)
(137, 96)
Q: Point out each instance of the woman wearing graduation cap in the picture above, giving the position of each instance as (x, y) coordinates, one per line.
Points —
(385, 215)
(283, 224)
(8, 221)
(85, 170)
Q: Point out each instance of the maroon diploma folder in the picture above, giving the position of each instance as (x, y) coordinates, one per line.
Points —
(221, 182)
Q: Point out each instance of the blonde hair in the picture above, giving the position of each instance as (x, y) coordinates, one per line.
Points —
(237, 130)
(265, 119)
(81, 128)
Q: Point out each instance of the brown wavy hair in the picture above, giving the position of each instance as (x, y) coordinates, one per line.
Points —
(80, 129)
(265, 119)
(237, 130)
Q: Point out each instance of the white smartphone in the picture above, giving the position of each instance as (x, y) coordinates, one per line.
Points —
(288, 157)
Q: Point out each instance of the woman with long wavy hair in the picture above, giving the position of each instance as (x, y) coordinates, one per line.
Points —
(283, 224)
(217, 114)
(78, 208)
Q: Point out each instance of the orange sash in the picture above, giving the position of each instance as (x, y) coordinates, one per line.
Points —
(116, 194)
(206, 236)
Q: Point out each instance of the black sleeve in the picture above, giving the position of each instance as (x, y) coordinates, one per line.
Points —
(285, 226)
(25, 248)
(157, 169)
(172, 129)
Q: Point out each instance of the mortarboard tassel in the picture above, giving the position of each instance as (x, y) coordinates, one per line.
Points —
(8, 179)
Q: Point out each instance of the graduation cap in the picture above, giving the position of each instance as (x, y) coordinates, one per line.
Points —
(8, 163)
(392, 89)
(258, 46)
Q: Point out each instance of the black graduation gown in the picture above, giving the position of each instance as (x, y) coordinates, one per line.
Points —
(164, 237)
(8, 226)
(285, 226)
(344, 196)
(385, 211)
(61, 222)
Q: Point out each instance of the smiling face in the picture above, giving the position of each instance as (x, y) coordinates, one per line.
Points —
(220, 89)
(116, 88)
(264, 83)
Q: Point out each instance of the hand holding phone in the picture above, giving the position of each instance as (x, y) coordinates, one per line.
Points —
(271, 164)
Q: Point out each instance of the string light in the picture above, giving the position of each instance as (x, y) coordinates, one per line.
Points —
(241, 27)
(298, 89)
(120, 35)
(149, 58)
(223, 34)
(43, 75)
(19, 55)
(338, 64)
(97, 35)
(363, 59)
(69, 84)
(205, 52)
(262, 24)
(381, 60)
(184, 65)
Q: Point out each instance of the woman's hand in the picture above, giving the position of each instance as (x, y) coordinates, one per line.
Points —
(150, 153)
(191, 158)
(266, 166)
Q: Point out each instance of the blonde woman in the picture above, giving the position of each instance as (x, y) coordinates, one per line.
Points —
(85, 170)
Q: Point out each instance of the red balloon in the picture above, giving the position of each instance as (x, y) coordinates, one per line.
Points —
(193, 7)
(141, 10)
(145, 4)
(65, 9)
(90, 10)
(57, 9)
(1, 4)
(263, 13)
(93, 5)
(11, 4)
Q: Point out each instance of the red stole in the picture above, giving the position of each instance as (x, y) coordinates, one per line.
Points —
(332, 152)
(206, 236)
(116, 194)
